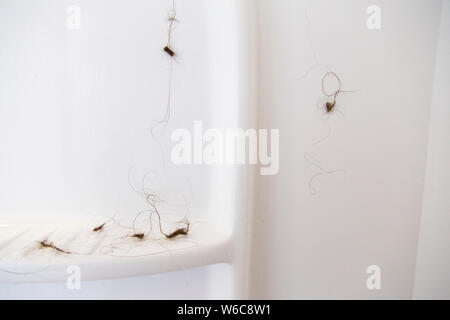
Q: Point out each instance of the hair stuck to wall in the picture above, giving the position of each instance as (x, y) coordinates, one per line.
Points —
(329, 105)
(328, 102)
(310, 43)
(116, 235)
(316, 167)
(183, 225)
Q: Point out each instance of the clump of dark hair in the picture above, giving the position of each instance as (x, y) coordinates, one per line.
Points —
(47, 244)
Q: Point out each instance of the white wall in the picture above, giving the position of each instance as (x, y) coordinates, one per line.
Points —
(77, 106)
(319, 246)
(432, 279)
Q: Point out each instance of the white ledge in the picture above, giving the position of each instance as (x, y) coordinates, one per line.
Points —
(107, 254)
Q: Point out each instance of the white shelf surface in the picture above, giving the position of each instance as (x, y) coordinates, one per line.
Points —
(107, 254)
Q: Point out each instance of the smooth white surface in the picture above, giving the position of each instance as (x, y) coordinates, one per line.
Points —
(319, 246)
(76, 111)
(432, 279)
